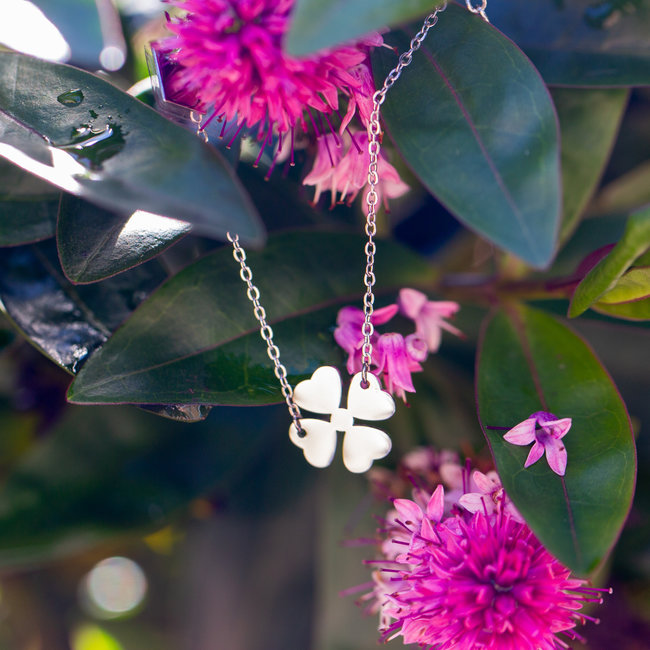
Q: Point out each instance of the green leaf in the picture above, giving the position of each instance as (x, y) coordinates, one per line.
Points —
(580, 43)
(195, 339)
(639, 310)
(95, 244)
(127, 158)
(64, 322)
(605, 275)
(529, 362)
(28, 207)
(589, 122)
(634, 285)
(623, 195)
(317, 24)
(488, 151)
(105, 472)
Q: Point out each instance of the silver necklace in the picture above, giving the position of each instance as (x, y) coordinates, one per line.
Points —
(321, 394)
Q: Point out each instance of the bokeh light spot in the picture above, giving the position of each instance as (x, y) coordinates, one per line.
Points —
(114, 586)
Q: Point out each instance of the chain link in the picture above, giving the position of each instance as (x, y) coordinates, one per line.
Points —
(266, 332)
(478, 7)
(374, 145)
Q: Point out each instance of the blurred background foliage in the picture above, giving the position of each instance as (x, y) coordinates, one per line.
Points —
(204, 528)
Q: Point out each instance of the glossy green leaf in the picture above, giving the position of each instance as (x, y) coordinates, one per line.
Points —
(113, 150)
(623, 195)
(634, 285)
(581, 42)
(195, 339)
(530, 362)
(605, 275)
(589, 122)
(488, 151)
(28, 207)
(317, 24)
(95, 244)
(105, 472)
(639, 310)
(67, 323)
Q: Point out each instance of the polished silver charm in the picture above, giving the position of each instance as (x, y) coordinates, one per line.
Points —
(361, 444)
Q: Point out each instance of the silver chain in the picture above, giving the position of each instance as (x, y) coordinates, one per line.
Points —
(266, 332)
(478, 8)
(374, 145)
(374, 139)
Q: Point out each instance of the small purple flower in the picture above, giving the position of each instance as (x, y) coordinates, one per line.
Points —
(546, 431)
(396, 364)
(428, 315)
(348, 332)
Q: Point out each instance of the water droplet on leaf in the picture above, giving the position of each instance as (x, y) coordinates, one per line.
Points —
(71, 97)
(93, 146)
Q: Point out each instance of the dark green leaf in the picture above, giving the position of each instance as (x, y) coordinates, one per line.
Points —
(530, 362)
(95, 244)
(111, 471)
(28, 207)
(66, 323)
(604, 276)
(589, 121)
(488, 151)
(126, 158)
(317, 24)
(195, 339)
(581, 42)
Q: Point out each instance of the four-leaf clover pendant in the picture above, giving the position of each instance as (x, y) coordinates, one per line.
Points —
(361, 444)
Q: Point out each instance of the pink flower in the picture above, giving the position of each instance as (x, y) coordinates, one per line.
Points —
(428, 316)
(396, 364)
(341, 167)
(232, 58)
(348, 332)
(546, 431)
(467, 581)
(489, 496)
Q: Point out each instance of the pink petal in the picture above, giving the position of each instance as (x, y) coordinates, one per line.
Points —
(485, 483)
(384, 314)
(536, 452)
(522, 434)
(559, 428)
(556, 456)
(416, 347)
(436, 504)
(473, 502)
(410, 302)
(408, 511)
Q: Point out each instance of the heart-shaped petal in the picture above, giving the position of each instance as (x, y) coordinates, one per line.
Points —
(371, 403)
(321, 393)
(363, 445)
(319, 445)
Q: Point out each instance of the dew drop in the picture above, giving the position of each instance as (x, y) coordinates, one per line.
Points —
(93, 146)
(71, 97)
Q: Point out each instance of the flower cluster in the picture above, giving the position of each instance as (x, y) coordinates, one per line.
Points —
(459, 568)
(229, 60)
(395, 357)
